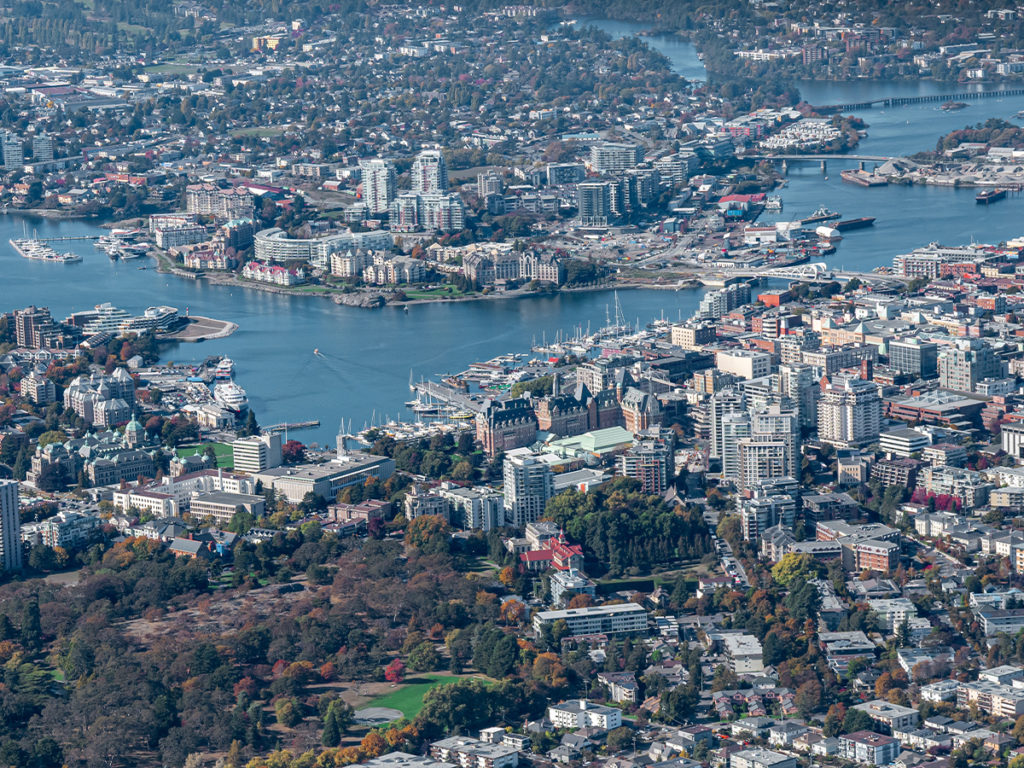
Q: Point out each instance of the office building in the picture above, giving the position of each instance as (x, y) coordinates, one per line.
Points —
(429, 172)
(849, 411)
(1012, 436)
(257, 453)
(528, 484)
(594, 202)
(380, 185)
(621, 619)
(745, 363)
(914, 357)
(10, 526)
(962, 366)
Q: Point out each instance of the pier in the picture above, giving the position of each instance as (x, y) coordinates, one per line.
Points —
(292, 426)
(448, 395)
(66, 237)
(907, 100)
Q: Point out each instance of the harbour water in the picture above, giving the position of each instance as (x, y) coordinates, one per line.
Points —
(362, 371)
(366, 356)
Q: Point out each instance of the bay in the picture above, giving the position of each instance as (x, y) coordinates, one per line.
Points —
(366, 356)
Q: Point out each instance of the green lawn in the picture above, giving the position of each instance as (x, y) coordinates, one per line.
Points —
(408, 699)
(170, 69)
(259, 131)
(225, 454)
(449, 291)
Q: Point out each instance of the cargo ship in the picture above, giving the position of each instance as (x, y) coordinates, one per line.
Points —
(989, 196)
(863, 178)
(822, 214)
(863, 221)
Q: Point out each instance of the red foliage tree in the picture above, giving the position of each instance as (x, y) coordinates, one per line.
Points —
(395, 671)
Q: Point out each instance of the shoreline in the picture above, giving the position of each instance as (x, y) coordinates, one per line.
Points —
(231, 280)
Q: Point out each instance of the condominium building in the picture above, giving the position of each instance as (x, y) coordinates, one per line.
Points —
(380, 185)
(429, 173)
(12, 150)
(467, 752)
(594, 203)
(42, 148)
(991, 698)
(596, 620)
(580, 713)
(650, 462)
(761, 512)
(608, 156)
(715, 304)
(693, 335)
(528, 484)
(869, 748)
(762, 457)
(849, 412)
(745, 363)
(10, 526)
(475, 509)
(962, 366)
(209, 200)
(890, 716)
(760, 758)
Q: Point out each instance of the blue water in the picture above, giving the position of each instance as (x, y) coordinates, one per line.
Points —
(368, 355)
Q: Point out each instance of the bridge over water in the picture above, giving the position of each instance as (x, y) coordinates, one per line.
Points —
(905, 100)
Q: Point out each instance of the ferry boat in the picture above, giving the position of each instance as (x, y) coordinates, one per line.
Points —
(231, 397)
(773, 203)
(225, 369)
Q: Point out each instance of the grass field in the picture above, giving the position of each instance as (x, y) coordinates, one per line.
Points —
(409, 698)
(259, 131)
(170, 69)
(225, 455)
(435, 293)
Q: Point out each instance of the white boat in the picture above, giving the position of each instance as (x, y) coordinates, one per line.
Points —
(225, 369)
(231, 397)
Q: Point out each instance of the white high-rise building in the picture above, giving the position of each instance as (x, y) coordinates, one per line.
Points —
(42, 148)
(761, 457)
(10, 526)
(429, 172)
(798, 382)
(529, 483)
(849, 412)
(735, 429)
(257, 453)
(11, 148)
(380, 185)
(723, 403)
(780, 422)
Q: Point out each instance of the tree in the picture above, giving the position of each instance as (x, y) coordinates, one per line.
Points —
(424, 657)
(288, 713)
(619, 738)
(251, 427)
(337, 719)
(431, 534)
(793, 566)
(395, 671)
(808, 698)
(293, 452)
(856, 720)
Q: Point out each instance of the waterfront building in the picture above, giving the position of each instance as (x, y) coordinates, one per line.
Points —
(380, 184)
(275, 245)
(429, 172)
(273, 273)
(849, 412)
(210, 200)
(175, 237)
(528, 484)
(441, 212)
(504, 425)
(10, 526)
(715, 304)
(257, 453)
(35, 328)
